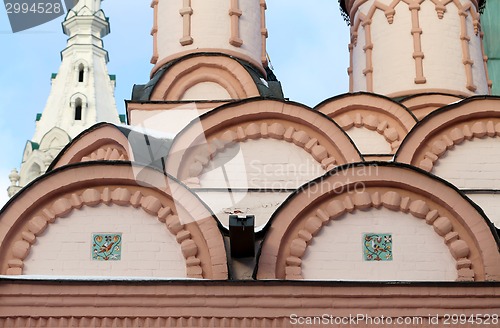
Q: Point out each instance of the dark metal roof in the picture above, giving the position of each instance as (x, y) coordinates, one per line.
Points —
(147, 150)
(142, 93)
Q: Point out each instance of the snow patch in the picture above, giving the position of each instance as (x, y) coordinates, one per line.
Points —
(88, 278)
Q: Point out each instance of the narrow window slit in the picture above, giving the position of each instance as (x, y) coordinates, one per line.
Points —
(78, 110)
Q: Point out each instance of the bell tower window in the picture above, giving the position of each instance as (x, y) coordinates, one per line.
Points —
(81, 73)
(78, 110)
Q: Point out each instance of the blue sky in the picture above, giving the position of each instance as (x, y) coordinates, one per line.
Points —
(307, 45)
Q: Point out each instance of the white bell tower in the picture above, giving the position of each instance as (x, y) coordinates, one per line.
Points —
(82, 92)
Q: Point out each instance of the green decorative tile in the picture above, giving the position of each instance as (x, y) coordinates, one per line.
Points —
(106, 246)
(377, 246)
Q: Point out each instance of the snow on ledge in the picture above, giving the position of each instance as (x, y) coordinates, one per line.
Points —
(91, 278)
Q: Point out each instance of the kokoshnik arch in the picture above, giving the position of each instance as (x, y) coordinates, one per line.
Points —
(382, 200)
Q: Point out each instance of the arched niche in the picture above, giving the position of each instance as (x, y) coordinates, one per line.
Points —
(56, 138)
(370, 119)
(461, 144)
(219, 72)
(32, 168)
(240, 149)
(103, 141)
(356, 189)
(445, 130)
(66, 193)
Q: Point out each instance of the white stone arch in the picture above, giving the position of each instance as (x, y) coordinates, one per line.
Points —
(55, 138)
(376, 124)
(258, 175)
(472, 163)
(32, 168)
(461, 143)
(29, 148)
(81, 66)
(79, 102)
(262, 163)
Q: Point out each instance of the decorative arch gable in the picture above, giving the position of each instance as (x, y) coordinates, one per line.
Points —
(33, 167)
(467, 233)
(438, 133)
(222, 71)
(194, 148)
(29, 148)
(81, 69)
(80, 96)
(56, 137)
(79, 62)
(62, 191)
(103, 141)
(373, 112)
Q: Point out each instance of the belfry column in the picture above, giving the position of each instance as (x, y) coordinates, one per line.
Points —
(405, 47)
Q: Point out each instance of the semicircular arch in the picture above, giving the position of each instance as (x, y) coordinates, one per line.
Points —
(254, 119)
(373, 112)
(56, 137)
(57, 194)
(441, 131)
(187, 72)
(468, 234)
(103, 141)
(422, 105)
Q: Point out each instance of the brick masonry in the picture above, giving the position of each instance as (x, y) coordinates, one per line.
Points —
(336, 253)
(262, 163)
(490, 203)
(369, 142)
(148, 249)
(474, 164)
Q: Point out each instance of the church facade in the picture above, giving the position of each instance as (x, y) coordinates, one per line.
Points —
(223, 204)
